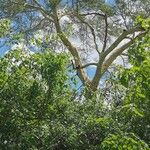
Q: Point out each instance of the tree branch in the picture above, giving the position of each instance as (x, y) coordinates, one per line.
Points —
(121, 38)
(106, 32)
(41, 10)
(89, 64)
(71, 48)
(92, 31)
(118, 52)
(102, 67)
(93, 13)
(125, 54)
(36, 3)
(37, 27)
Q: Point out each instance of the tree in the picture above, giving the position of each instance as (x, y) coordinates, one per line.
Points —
(32, 88)
(136, 80)
(37, 110)
(123, 141)
(36, 106)
(93, 23)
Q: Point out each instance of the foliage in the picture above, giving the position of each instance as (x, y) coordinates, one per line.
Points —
(137, 81)
(38, 107)
(29, 85)
(123, 141)
(37, 110)
(99, 28)
(4, 27)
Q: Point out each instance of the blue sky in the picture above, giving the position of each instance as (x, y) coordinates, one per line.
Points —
(110, 2)
(3, 47)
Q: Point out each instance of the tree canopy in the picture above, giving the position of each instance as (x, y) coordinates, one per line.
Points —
(41, 109)
(37, 110)
(99, 28)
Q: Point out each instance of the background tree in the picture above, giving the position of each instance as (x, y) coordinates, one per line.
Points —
(37, 110)
(37, 105)
(107, 31)
(136, 80)
(28, 88)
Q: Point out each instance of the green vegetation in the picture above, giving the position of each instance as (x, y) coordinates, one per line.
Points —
(40, 109)
(37, 110)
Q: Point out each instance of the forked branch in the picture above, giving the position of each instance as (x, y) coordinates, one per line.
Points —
(72, 49)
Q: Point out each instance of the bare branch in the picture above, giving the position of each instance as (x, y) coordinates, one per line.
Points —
(71, 48)
(41, 10)
(121, 38)
(124, 54)
(89, 64)
(102, 67)
(92, 31)
(93, 13)
(106, 32)
(124, 61)
(118, 52)
(36, 3)
(37, 27)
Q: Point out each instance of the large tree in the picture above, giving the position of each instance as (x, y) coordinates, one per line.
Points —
(99, 28)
